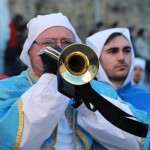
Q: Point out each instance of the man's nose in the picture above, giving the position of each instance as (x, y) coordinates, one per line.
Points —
(59, 44)
(120, 56)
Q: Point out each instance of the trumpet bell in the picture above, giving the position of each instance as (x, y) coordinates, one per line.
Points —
(78, 64)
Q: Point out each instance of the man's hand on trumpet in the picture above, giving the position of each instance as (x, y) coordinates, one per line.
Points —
(49, 63)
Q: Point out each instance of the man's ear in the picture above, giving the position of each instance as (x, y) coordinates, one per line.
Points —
(30, 49)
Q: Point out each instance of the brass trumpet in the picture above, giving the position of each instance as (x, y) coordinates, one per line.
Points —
(78, 63)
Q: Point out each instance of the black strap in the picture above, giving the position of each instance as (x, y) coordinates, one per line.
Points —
(112, 113)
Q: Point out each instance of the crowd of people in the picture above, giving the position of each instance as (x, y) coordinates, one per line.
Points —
(34, 112)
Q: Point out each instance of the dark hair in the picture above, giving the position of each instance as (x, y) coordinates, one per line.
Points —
(131, 28)
(140, 32)
(18, 17)
(91, 32)
(99, 24)
(115, 24)
(18, 20)
(112, 36)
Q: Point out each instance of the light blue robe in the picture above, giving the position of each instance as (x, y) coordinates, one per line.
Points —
(11, 114)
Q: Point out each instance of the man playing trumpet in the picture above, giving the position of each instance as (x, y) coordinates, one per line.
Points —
(34, 115)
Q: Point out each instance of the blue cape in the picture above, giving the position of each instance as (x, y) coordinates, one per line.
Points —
(139, 98)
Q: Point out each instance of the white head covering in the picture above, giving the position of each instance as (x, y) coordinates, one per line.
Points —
(37, 25)
(140, 62)
(97, 41)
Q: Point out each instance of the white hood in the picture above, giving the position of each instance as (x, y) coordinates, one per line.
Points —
(97, 41)
(37, 25)
(140, 62)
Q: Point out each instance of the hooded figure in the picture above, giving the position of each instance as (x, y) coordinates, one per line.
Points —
(138, 74)
(39, 24)
(97, 41)
(138, 97)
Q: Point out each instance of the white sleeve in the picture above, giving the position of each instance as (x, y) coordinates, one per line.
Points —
(43, 106)
(104, 132)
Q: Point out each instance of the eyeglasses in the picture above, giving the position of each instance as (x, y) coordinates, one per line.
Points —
(52, 42)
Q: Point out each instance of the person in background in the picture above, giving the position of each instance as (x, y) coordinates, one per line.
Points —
(17, 27)
(132, 30)
(115, 24)
(143, 51)
(116, 57)
(139, 71)
(99, 26)
(3, 76)
(141, 45)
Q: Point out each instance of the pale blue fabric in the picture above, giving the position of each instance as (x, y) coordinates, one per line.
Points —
(104, 89)
(10, 91)
(142, 116)
(139, 99)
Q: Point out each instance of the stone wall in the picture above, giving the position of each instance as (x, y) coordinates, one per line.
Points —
(84, 14)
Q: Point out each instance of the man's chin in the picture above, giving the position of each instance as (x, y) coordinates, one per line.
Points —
(120, 77)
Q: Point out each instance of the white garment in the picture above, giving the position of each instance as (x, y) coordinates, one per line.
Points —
(97, 41)
(44, 107)
(64, 136)
(140, 62)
